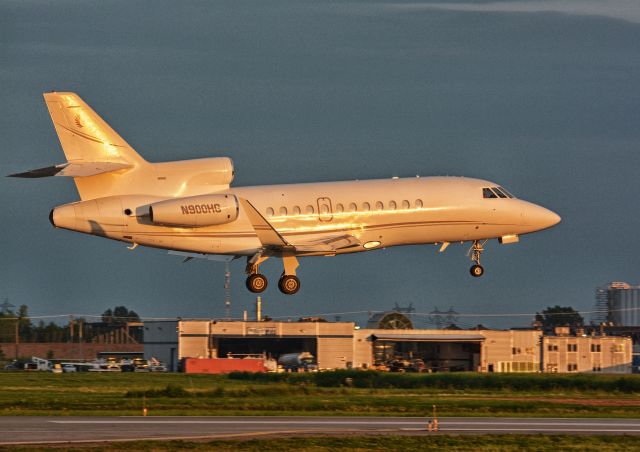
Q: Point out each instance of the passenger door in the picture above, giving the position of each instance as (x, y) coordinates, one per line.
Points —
(325, 212)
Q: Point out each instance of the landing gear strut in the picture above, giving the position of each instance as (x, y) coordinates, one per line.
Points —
(256, 282)
(475, 252)
(289, 282)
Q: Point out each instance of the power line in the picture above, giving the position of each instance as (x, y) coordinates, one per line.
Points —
(325, 314)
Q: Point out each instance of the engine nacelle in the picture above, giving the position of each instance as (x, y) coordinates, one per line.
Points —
(195, 211)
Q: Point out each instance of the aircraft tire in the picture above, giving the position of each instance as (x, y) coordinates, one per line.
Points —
(476, 271)
(257, 283)
(289, 284)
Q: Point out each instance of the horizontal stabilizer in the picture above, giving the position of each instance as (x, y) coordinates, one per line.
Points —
(84, 169)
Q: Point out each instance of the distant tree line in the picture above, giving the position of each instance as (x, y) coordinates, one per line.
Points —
(76, 328)
(554, 316)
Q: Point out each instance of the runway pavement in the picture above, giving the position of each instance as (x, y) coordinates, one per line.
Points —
(28, 429)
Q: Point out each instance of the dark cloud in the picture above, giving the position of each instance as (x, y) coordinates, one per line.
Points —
(545, 104)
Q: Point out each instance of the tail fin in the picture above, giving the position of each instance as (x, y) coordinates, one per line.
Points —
(85, 137)
(99, 160)
(102, 164)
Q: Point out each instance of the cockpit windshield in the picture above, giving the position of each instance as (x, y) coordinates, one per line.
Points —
(504, 190)
(495, 192)
(488, 193)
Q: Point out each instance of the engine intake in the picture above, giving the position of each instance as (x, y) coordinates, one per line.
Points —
(195, 211)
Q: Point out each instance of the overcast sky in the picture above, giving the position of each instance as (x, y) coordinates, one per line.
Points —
(542, 97)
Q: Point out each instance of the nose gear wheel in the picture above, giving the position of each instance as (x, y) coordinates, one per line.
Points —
(476, 271)
(475, 252)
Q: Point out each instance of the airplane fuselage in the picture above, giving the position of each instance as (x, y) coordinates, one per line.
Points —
(379, 213)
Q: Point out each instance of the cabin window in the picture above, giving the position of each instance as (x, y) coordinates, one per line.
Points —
(379, 205)
(418, 203)
(309, 209)
(324, 209)
(392, 205)
(339, 208)
(487, 193)
(366, 206)
(283, 211)
(405, 204)
(296, 210)
(270, 211)
(353, 207)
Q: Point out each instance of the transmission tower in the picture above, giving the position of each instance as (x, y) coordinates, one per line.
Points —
(436, 317)
(5, 307)
(227, 290)
(442, 318)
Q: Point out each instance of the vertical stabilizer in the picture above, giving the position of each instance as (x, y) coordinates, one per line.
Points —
(88, 141)
(85, 136)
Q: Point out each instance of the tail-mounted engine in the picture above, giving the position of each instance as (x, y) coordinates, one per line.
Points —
(195, 211)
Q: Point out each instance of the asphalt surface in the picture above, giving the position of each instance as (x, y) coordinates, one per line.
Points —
(29, 430)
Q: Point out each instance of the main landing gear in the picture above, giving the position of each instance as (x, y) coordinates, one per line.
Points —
(257, 283)
(288, 284)
(475, 251)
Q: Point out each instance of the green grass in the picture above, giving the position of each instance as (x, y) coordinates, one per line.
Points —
(33, 393)
(459, 380)
(384, 443)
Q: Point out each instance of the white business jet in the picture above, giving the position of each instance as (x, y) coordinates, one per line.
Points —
(188, 206)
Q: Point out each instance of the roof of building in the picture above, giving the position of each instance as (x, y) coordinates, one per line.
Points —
(429, 337)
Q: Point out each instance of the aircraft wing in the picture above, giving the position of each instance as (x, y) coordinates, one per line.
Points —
(277, 245)
(267, 235)
(327, 244)
(210, 257)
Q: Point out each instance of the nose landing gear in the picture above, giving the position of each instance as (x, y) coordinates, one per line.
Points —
(475, 252)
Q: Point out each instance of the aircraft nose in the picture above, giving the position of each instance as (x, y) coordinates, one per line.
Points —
(541, 217)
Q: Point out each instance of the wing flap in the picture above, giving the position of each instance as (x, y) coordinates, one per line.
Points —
(209, 257)
(327, 244)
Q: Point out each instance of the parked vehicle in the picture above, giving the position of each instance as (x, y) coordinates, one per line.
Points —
(295, 362)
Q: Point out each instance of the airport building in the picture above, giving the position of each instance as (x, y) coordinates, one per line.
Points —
(161, 342)
(339, 345)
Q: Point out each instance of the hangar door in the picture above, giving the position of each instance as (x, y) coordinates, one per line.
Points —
(272, 347)
(439, 352)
